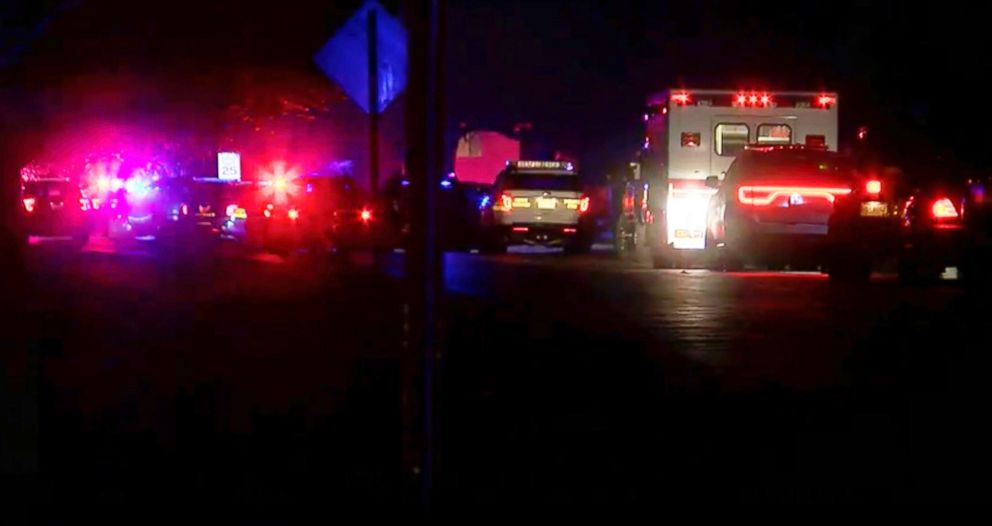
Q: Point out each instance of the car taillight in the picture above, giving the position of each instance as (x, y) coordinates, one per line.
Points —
(293, 214)
(366, 215)
(29, 204)
(584, 205)
(768, 195)
(943, 208)
(506, 201)
(873, 187)
(236, 212)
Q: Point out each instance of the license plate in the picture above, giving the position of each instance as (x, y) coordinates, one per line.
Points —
(681, 233)
(547, 203)
(874, 209)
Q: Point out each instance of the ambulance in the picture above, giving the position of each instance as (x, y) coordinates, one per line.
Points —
(692, 137)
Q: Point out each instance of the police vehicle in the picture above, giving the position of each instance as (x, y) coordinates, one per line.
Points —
(53, 206)
(537, 203)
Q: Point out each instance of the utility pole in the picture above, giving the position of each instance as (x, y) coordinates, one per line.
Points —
(422, 352)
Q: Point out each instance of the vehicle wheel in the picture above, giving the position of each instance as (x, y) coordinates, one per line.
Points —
(912, 272)
(723, 259)
(579, 245)
(493, 244)
(849, 269)
(79, 242)
(662, 259)
(624, 241)
(776, 264)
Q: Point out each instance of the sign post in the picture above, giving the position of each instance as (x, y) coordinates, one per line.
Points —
(367, 57)
(373, 45)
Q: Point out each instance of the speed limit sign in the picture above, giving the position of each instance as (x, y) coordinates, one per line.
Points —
(229, 166)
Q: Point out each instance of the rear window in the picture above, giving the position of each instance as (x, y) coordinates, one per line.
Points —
(802, 165)
(774, 134)
(46, 189)
(539, 181)
(731, 138)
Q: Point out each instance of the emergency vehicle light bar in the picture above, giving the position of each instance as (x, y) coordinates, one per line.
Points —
(540, 165)
(745, 99)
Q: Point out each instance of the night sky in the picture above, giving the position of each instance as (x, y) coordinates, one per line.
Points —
(577, 70)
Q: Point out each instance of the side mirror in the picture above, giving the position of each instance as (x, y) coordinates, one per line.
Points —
(713, 182)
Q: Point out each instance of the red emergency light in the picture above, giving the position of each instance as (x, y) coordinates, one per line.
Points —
(681, 98)
(825, 101)
(753, 99)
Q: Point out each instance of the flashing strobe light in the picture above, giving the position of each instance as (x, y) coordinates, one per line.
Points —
(138, 186)
(753, 99)
(765, 100)
(279, 182)
(681, 98)
(293, 214)
(873, 187)
(943, 208)
(236, 212)
(366, 215)
(741, 99)
(584, 205)
(825, 101)
(29, 204)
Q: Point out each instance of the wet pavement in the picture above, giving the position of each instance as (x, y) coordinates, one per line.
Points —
(266, 388)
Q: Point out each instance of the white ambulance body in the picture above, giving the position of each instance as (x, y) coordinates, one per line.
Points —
(696, 134)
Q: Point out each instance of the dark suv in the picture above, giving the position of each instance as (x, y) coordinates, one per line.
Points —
(54, 207)
(774, 205)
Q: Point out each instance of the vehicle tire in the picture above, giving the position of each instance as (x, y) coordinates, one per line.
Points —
(776, 264)
(912, 272)
(493, 243)
(79, 241)
(849, 269)
(624, 241)
(724, 260)
(579, 245)
(662, 259)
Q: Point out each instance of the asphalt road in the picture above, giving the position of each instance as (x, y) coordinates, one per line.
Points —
(266, 389)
